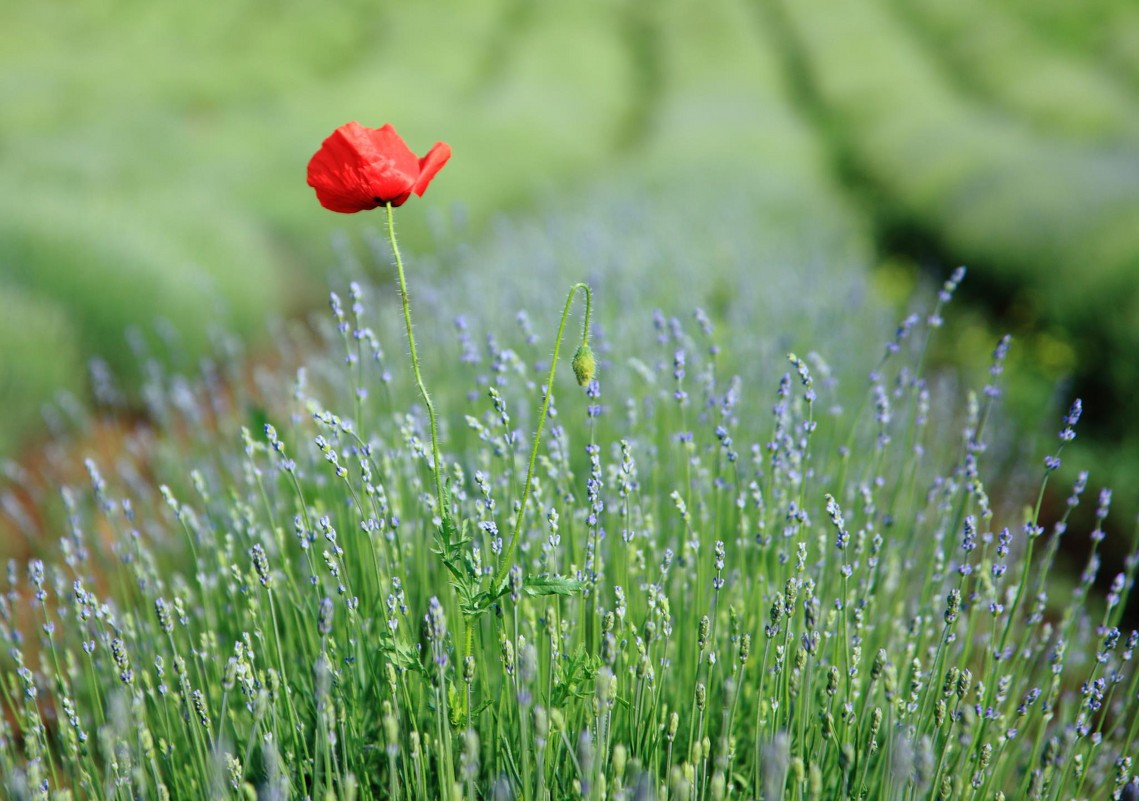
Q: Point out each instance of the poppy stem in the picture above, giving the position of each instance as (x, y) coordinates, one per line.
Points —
(507, 558)
(437, 467)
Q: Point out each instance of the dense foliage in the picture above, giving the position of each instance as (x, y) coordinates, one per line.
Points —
(742, 573)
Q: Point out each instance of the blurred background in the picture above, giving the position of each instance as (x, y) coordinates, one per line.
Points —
(152, 162)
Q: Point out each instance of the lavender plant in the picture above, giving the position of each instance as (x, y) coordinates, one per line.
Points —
(700, 581)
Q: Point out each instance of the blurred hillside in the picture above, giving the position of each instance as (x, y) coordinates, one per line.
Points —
(152, 154)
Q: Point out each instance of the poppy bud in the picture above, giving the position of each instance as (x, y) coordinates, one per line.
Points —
(584, 365)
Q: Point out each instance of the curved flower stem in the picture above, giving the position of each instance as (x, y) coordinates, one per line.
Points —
(436, 467)
(505, 562)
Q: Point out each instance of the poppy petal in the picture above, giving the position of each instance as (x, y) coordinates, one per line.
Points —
(336, 173)
(430, 164)
(360, 168)
(391, 167)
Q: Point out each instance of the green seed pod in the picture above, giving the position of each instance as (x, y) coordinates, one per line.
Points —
(702, 636)
(939, 712)
(673, 724)
(701, 696)
(584, 365)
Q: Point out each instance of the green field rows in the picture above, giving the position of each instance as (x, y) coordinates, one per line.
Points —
(163, 177)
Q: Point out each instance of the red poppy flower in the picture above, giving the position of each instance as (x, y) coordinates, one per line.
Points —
(360, 168)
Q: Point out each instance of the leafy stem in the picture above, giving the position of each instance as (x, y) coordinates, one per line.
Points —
(508, 557)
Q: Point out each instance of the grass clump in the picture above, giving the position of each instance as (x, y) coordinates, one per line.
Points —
(741, 573)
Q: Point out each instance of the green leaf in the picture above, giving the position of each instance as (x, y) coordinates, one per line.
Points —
(551, 585)
(455, 704)
(452, 568)
(400, 654)
(574, 677)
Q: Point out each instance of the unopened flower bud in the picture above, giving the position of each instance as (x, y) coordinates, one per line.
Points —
(584, 365)
(324, 617)
(620, 756)
(963, 683)
(798, 770)
(951, 677)
(718, 786)
(952, 606)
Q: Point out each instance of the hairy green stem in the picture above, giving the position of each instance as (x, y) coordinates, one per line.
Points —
(508, 557)
(437, 467)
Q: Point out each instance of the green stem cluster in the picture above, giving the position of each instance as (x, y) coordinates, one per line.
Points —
(508, 556)
(437, 464)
